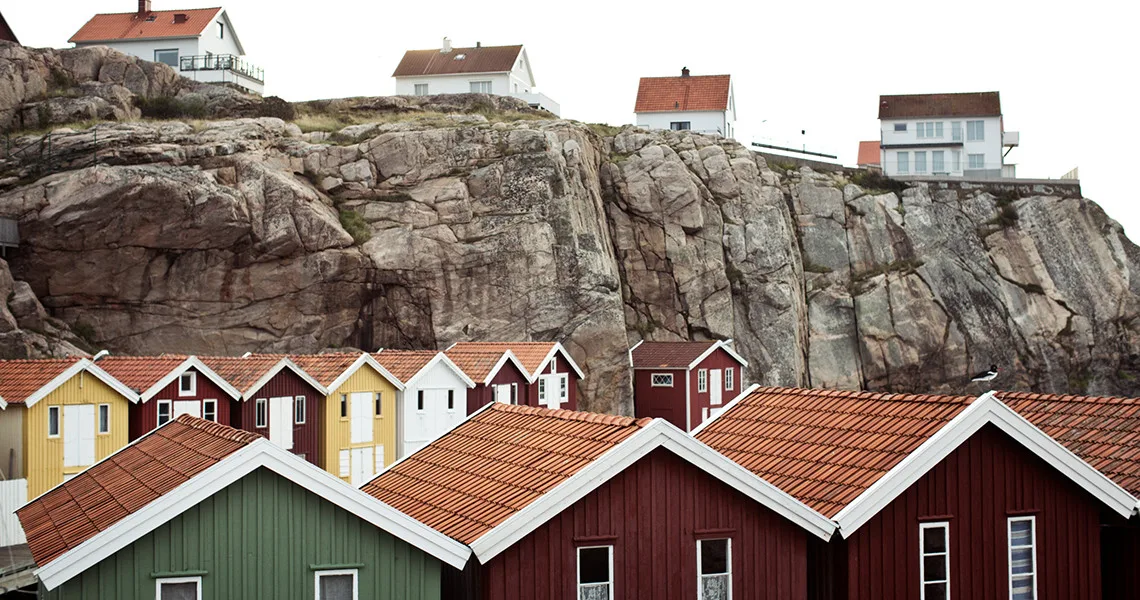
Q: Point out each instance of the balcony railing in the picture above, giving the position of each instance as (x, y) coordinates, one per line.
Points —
(222, 62)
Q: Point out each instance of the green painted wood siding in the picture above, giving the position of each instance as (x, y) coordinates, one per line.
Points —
(257, 539)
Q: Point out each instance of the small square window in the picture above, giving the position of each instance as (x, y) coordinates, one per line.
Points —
(187, 383)
(210, 410)
(104, 418)
(336, 585)
(164, 414)
(299, 410)
(53, 421)
(661, 380)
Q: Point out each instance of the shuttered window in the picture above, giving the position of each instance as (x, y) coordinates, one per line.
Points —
(934, 565)
(1022, 558)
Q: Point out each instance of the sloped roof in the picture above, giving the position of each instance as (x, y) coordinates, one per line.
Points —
(19, 379)
(495, 464)
(976, 104)
(325, 368)
(869, 153)
(404, 364)
(484, 59)
(241, 372)
(672, 94)
(125, 482)
(531, 355)
(129, 26)
(671, 355)
(141, 372)
(476, 364)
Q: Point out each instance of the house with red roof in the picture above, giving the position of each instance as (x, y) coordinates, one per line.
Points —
(950, 496)
(498, 376)
(552, 374)
(869, 155)
(195, 510)
(200, 43)
(685, 383)
(559, 504)
(700, 103)
(434, 396)
(479, 69)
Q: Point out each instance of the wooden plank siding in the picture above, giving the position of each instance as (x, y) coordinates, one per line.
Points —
(699, 401)
(557, 365)
(653, 513)
(257, 538)
(1120, 551)
(668, 403)
(336, 432)
(508, 374)
(306, 436)
(976, 488)
(144, 415)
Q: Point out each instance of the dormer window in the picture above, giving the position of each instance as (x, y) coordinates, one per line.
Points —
(460, 56)
(151, 18)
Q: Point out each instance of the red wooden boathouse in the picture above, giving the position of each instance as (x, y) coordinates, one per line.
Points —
(552, 375)
(685, 382)
(498, 376)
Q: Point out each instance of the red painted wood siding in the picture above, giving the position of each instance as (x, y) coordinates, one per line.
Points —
(144, 415)
(665, 402)
(1120, 548)
(560, 366)
(976, 488)
(699, 401)
(306, 437)
(481, 395)
(653, 513)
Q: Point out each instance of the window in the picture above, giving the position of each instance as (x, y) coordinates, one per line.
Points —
(661, 380)
(451, 400)
(210, 410)
(680, 125)
(595, 568)
(542, 390)
(420, 400)
(938, 161)
(976, 161)
(53, 421)
(104, 418)
(514, 393)
(1022, 558)
(714, 570)
(919, 162)
(934, 565)
(900, 127)
(956, 165)
(928, 129)
(299, 410)
(904, 162)
(262, 412)
(460, 56)
(221, 31)
(187, 383)
(169, 57)
(163, 412)
(956, 131)
(344, 406)
(178, 588)
(480, 87)
(564, 388)
(378, 400)
(975, 131)
(702, 380)
(336, 585)
(729, 379)
(421, 89)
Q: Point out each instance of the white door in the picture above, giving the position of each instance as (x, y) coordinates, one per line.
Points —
(363, 465)
(281, 422)
(503, 393)
(551, 390)
(79, 435)
(716, 387)
(361, 417)
(187, 407)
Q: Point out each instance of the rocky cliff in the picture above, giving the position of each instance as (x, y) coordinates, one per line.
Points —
(247, 234)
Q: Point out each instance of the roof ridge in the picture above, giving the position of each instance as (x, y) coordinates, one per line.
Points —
(164, 10)
(218, 430)
(573, 415)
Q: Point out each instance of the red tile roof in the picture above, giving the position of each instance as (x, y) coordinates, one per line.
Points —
(476, 364)
(484, 59)
(495, 464)
(978, 104)
(241, 372)
(324, 368)
(22, 378)
(141, 372)
(869, 153)
(404, 364)
(695, 92)
(674, 355)
(128, 26)
(124, 483)
(530, 354)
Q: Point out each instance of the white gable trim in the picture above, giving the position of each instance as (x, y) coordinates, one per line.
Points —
(556, 349)
(659, 434)
(985, 410)
(260, 453)
(3, 404)
(727, 407)
(80, 365)
(284, 363)
(365, 359)
(508, 356)
(526, 59)
(229, 31)
(723, 346)
(182, 368)
(634, 347)
(439, 358)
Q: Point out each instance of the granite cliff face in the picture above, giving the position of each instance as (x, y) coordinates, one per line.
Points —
(228, 236)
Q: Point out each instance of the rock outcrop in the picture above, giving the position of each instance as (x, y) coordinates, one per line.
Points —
(247, 234)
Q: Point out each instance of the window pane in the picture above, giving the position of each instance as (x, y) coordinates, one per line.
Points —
(1021, 561)
(594, 592)
(104, 418)
(714, 557)
(594, 565)
(1021, 533)
(934, 567)
(1022, 588)
(900, 126)
(336, 587)
(714, 587)
(179, 591)
(935, 591)
(53, 420)
(938, 129)
(933, 540)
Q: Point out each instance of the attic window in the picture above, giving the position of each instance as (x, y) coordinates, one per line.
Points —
(151, 18)
(460, 56)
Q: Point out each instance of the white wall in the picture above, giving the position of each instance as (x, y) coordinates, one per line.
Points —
(209, 41)
(704, 121)
(453, 84)
(12, 442)
(144, 49)
(13, 495)
(422, 427)
(990, 147)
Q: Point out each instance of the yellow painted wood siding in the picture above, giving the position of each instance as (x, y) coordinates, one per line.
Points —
(43, 456)
(336, 434)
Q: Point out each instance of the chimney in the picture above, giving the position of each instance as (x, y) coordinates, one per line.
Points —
(144, 7)
(478, 44)
(684, 71)
(446, 46)
(181, 18)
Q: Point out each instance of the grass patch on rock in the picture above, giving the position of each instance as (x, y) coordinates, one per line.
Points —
(356, 226)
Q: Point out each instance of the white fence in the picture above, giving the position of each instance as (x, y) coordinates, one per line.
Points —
(13, 495)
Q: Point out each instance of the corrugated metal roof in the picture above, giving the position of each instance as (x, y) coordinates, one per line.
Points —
(484, 59)
(977, 104)
(22, 378)
(495, 464)
(672, 355)
(132, 26)
(694, 92)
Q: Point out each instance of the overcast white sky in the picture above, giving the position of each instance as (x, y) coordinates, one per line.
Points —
(1067, 72)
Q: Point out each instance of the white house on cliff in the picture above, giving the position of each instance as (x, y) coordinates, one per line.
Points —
(201, 43)
(955, 135)
(502, 70)
(701, 103)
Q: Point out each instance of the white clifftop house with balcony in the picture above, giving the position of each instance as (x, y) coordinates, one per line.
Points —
(953, 135)
(700, 103)
(501, 70)
(201, 43)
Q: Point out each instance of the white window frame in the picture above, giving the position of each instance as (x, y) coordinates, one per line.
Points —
(702, 381)
(300, 409)
(212, 403)
(937, 161)
(900, 127)
(956, 162)
(183, 392)
(450, 400)
(421, 402)
(177, 56)
(158, 412)
(417, 91)
(378, 402)
(729, 379)
(970, 161)
(563, 388)
(653, 380)
(920, 165)
(955, 131)
(727, 564)
(336, 573)
(975, 131)
(99, 429)
(58, 421)
(902, 162)
(680, 125)
(922, 554)
(578, 569)
(481, 84)
(261, 413)
(344, 407)
(542, 391)
(1032, 519)
(158, 584)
